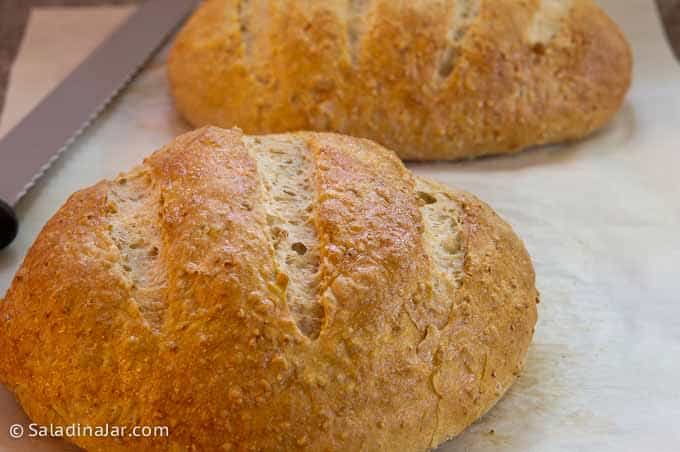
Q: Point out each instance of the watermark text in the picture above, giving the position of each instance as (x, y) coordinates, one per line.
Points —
(18, 431)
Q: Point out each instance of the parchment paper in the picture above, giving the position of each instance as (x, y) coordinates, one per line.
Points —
(600, 217)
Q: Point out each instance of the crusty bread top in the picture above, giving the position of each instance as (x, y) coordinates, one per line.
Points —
(298, 291)
(429, 79)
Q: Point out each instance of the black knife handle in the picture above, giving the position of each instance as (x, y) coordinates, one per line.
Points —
(9, 225)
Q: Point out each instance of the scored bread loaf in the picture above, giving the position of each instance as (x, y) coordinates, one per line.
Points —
(284, 292)
(429, 79)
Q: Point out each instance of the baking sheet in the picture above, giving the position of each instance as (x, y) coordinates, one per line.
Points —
(600, 217)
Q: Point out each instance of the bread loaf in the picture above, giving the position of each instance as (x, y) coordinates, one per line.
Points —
(429, 79)
(286, 292)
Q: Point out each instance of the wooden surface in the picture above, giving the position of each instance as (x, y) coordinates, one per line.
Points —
(13, 19)
(14, 15)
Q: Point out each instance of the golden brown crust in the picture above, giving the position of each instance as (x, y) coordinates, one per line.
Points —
(187, 324)
(429, 79)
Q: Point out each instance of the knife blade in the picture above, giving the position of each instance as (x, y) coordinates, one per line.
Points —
(29, 149)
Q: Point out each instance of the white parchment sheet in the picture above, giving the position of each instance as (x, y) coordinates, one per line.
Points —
(600, 217)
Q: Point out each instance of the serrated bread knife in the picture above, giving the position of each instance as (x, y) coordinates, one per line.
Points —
(29, 149)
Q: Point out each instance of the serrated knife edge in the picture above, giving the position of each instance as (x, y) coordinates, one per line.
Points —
(41, 171)
(30, 148)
